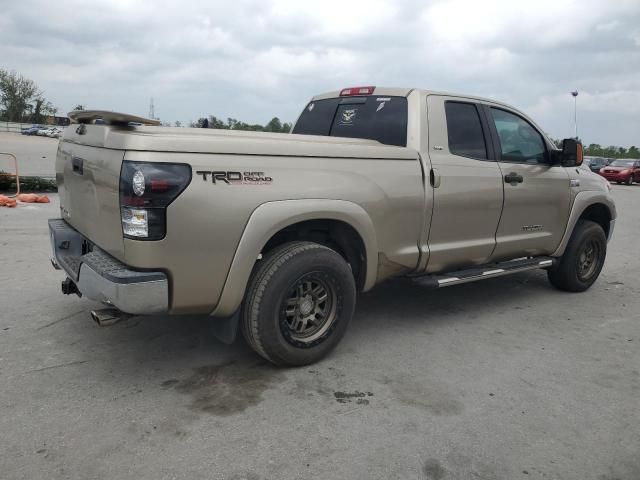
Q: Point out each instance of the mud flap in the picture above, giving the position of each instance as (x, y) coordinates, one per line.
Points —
(226, 329)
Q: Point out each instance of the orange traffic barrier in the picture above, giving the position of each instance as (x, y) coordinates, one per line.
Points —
(24, 198)
(7, 202)
(32, 198)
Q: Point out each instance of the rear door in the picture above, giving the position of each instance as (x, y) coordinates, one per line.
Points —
(537, 195)
(467, 185)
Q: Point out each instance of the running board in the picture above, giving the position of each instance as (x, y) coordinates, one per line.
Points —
(482, 273)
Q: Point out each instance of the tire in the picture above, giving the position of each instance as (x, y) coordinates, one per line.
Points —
(629, 181)
(299, 303)
(578, 269)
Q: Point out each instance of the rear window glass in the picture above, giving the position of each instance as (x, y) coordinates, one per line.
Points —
(372, 117)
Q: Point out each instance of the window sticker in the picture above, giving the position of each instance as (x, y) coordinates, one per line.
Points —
(348, 116)
(311, 106)
(380, 106)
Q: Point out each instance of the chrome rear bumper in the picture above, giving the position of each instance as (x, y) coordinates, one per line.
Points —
(102, 278)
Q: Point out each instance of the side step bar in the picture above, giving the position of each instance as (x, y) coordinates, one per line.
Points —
(481, 273)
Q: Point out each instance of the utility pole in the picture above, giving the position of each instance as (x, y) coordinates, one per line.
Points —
(574, 94)
(152, 112)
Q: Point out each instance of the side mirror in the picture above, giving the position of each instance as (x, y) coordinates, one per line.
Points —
(572, 153)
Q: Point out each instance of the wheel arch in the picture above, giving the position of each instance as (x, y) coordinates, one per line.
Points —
(595, 206)
(274, 223)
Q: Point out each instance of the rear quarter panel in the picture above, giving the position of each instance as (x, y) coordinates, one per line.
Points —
(205, 223)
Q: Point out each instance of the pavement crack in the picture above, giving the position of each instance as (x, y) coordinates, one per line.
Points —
(77, 362)
(59, 320)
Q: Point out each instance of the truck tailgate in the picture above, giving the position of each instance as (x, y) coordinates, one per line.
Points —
(88, 185)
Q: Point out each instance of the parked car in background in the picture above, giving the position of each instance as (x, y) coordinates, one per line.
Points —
(54, 132)
(595, 163)
(43, 132)
(32, 130)
(622, 171)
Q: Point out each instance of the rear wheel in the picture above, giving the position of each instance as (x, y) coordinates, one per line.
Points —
(583, 258)
(629, 181)
(299, 303)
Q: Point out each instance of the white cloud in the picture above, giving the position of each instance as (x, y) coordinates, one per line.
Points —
(255, 59)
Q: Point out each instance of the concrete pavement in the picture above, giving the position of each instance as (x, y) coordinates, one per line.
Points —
(36, 155)
(502, 379)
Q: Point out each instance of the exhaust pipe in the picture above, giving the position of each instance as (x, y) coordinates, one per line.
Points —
(106, 317)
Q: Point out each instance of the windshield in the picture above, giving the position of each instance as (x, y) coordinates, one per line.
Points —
(622, 163)
(373, 117)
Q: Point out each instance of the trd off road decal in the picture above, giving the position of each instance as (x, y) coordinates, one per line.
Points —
(235, 178)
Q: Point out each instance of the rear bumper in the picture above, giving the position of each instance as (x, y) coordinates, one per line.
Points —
(103, 278)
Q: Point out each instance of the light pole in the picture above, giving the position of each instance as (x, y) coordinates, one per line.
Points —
(574, 94)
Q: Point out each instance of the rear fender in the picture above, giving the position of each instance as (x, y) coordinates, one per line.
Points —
(271, 217)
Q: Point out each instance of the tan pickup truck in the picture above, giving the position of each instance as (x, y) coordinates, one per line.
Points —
(275, 234)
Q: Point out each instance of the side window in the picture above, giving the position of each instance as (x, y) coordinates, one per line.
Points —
(519, 141)
(465, 130)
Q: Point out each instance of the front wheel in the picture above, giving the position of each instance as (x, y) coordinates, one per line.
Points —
(583, 258)
(299, 303)
(629, 181)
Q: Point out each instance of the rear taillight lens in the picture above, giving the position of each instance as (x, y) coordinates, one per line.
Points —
(146, 190)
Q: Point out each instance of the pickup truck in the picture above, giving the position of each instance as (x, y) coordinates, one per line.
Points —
(275, 234)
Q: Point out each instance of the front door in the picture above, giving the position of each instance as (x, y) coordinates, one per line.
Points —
(537, 195)
(466, 184)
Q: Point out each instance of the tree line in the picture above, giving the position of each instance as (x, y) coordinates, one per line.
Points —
(21, 100)
(274, 125)
(596, 150)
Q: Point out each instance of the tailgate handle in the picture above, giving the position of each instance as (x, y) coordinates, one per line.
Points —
(76, 164)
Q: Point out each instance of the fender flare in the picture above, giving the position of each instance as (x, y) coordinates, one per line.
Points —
(582, 201)
(271, 217)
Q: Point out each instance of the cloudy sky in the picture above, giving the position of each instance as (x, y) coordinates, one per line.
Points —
(253, 60)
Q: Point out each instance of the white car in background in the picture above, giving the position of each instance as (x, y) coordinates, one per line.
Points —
(54, 132)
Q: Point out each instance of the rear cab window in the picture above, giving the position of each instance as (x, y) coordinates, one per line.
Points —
(464, 130)
(373, 117)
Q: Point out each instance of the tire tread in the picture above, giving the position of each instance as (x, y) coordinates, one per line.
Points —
(273, 261)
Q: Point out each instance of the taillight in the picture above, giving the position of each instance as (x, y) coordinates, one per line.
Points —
(348, 92)
(146, 190)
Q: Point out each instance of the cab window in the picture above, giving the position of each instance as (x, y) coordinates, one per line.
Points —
(464, 130)
(519, 141)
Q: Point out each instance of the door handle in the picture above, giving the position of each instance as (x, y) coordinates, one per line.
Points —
(513, 178)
